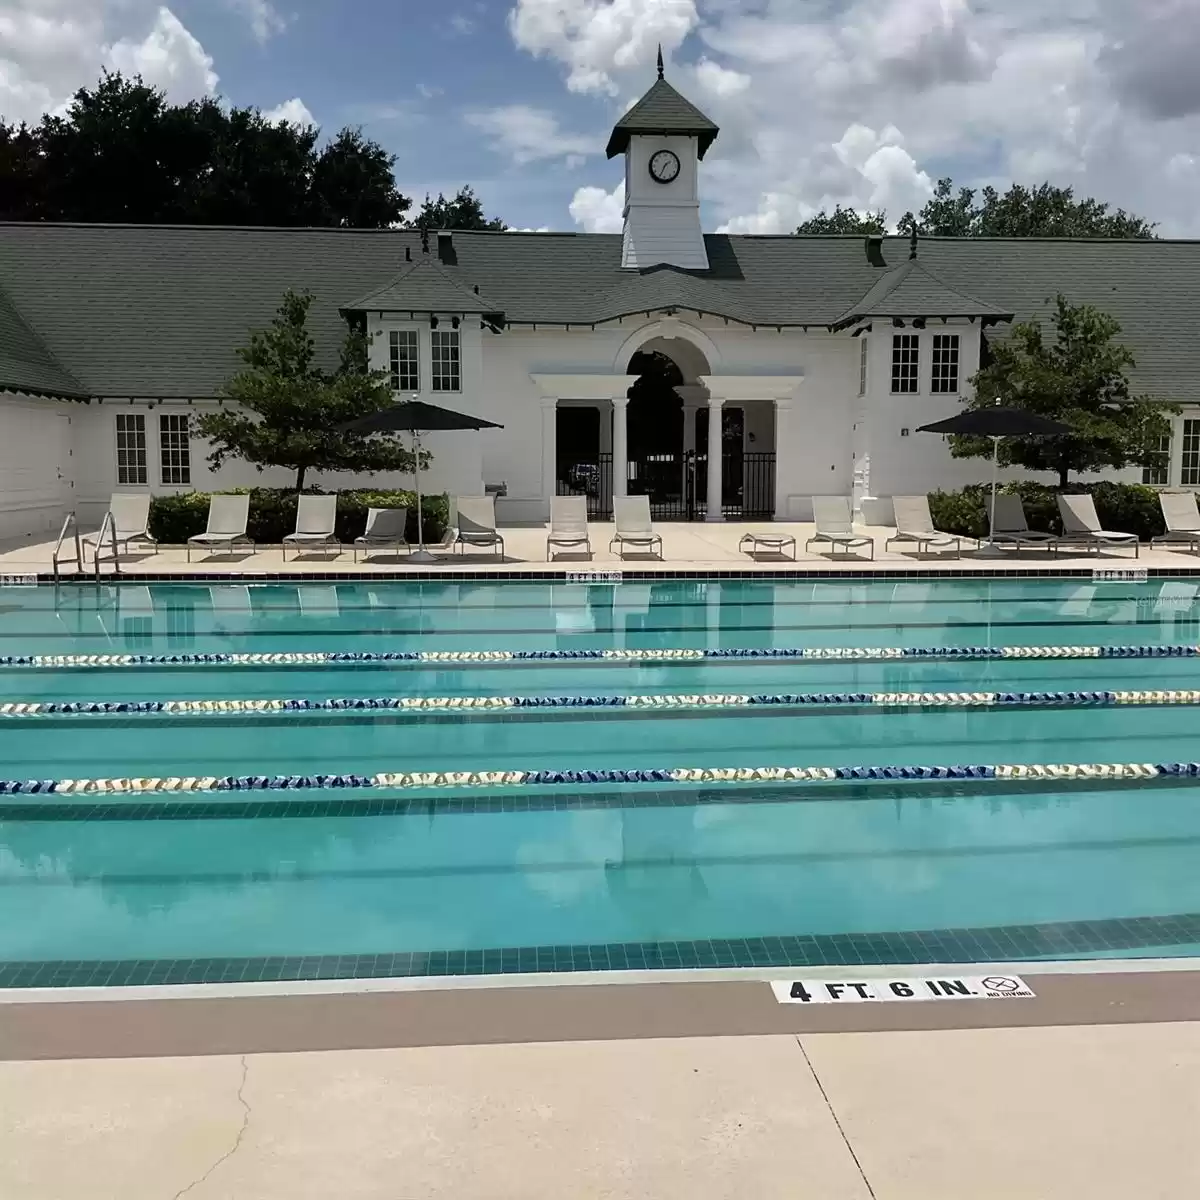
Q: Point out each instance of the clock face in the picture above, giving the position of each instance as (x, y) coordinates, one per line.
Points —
(664, 166)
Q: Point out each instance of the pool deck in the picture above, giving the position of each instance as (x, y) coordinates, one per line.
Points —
(553, 1088)
(686, 547)
(697, 1090)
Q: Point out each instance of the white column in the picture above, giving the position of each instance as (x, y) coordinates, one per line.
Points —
(783, 420)
(689, 443)
(712, 510)
(620, 444)
(549, 449)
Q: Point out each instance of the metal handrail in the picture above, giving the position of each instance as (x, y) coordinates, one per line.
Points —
(110, 524)
(68, 522)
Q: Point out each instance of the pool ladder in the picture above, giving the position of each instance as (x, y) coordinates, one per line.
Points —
(71, 525)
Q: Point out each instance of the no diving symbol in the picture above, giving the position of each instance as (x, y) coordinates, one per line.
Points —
(999, 983)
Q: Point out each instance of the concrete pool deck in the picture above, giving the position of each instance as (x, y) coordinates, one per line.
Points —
(691, 547)
(703, 1091)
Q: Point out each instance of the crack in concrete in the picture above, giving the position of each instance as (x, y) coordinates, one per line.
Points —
(237, 1141)
(833, 1114)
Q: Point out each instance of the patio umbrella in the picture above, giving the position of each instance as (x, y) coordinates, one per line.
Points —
(415, 416)
(997, 422)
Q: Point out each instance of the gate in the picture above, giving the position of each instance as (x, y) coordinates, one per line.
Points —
(677, 485)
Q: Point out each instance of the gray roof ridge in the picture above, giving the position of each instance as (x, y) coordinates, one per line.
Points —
(894, 278)
(427, 263)
(48, 360)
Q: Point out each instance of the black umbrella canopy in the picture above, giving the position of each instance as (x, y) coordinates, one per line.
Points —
(998, 422)
(414, 415)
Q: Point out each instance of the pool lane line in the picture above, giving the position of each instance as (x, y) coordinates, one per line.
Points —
(499, 704)
(484, 657)
(1057, 772)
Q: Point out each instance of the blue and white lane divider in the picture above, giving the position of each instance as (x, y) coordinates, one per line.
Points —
(1059, 772)
(474, 657)
(492, 704)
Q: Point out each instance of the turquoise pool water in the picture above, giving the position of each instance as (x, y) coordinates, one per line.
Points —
(375, 880)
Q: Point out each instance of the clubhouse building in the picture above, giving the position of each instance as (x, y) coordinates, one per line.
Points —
(727, 377)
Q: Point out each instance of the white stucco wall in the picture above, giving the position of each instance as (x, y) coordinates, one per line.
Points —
(825, 430)
(36, 461)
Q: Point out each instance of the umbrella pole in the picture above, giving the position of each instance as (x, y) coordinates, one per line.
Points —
(420, 554)
(989, 549)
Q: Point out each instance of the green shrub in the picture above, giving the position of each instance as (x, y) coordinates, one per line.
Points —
(175, 518)
(1125, 507)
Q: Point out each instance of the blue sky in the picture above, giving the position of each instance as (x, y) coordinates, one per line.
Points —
(860, 102)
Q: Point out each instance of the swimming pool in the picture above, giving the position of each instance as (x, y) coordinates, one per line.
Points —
(236, 782)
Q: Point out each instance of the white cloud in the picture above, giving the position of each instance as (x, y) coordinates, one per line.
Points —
(864, 102)
(264, 18)
(528, 134)
(293, 111)
(168, 57)
(599, 211)
(717, 80)
(595, 39)
(462, 25)
(51, 48)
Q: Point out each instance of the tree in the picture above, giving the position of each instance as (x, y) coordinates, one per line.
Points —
(463, 211)
(845, 220)
(289, 411)
(122, 153)
(1078, 376)
(1041, 211)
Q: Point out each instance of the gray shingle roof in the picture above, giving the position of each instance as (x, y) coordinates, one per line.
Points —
(912, 290)
(160, 310)
(25, 363)
(424, 286)
(662, 110)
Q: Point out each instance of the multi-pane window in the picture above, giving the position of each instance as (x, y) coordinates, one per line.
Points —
(944, 377)
(131, 448)
(1189, 476)
(863, 343)
(174, 450)
(1159, 473)
(906, 362)
(444, 365)
(402, 348)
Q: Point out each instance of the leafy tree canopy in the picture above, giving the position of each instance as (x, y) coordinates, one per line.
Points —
(1075, 372)
(289, 412)
(462, 211)
(1041, 211)
(122, 153)
(845, 220)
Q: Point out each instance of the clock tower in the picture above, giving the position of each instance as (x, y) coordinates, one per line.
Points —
(663, 137)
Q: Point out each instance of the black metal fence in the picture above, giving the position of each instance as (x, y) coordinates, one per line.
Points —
(678, 485)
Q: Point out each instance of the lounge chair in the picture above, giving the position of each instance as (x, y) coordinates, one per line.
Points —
(316, 517)
(130, 513)
(835, 525)
(914, 524)
(631, 515)
(227, 520)
(476, 523)
(385, 531)
(1012, 529)
(568, 524)
(1182, 519)
(1081, 526)
(775, 543)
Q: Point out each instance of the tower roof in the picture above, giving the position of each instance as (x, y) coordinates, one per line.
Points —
(662, 110)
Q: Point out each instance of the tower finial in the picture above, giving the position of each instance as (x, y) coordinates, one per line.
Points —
(660, 61)
(912, 241)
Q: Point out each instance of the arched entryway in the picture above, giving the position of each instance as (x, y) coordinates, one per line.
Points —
(664, 419)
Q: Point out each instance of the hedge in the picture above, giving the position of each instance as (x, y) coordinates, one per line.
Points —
(1127, 507)
(174, 519)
